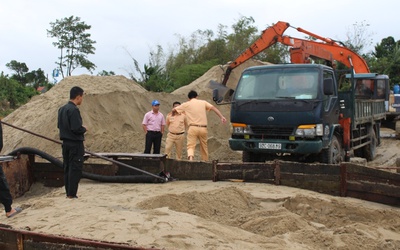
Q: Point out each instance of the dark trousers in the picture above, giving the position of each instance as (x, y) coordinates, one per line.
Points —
(153, 138)
(5, 195)
(73, 152)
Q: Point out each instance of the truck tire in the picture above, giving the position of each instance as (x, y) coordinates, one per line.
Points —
(333, 154)
(369, 150)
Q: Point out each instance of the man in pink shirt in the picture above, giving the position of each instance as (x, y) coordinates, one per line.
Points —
(153, 125)
(196, 115)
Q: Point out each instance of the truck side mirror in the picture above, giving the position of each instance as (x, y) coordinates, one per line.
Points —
(328, 86)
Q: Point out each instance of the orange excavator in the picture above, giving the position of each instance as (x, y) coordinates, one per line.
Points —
(301, 50)
(297, 110)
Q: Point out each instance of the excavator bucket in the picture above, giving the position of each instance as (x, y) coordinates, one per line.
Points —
(221, 93)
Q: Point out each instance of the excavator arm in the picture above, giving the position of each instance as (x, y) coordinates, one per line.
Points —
(269, 37)
(301, 50)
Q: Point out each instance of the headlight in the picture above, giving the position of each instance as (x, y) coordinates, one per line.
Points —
(319, 130)
(309, 130)
(303, 132)
(240, 128)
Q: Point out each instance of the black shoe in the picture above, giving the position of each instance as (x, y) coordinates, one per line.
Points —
(72, 197)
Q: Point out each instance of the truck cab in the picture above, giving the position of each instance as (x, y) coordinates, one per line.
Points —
(284, 110)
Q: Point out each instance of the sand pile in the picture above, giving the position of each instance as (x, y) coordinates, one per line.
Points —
(112, 111)
(210, 215)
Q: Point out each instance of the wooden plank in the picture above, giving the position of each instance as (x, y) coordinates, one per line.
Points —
(383, 199)
(321, 186)
(374, 188)
(189, 170)
(153, 166)
(365, 171)
(101, 169)
(371, 178)
(246, 171)
(244, 166)
(247, 175)
(307, 168)
(306, 177)
(229, 174)
(328, 184)
(11, 239)
(7, 240)
(19, 175)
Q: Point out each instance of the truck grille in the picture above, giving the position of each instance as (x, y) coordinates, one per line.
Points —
(272, 132)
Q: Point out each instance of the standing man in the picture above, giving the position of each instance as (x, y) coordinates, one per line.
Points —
(153, 125)
(5, 194)
(72, 134)
(196, 115)
(176, 129)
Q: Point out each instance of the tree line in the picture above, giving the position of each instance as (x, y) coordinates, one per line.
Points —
(191, 57)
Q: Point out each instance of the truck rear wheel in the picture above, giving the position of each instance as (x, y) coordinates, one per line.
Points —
(333, 154)
(370, 149)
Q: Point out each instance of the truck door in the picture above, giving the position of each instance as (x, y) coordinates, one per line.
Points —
(330, 102)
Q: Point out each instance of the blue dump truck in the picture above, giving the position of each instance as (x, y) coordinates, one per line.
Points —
(306, 110)
(297, 112)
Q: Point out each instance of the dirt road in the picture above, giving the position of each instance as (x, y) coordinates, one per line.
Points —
(388, 151)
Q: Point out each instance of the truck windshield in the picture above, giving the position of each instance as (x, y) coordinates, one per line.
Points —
(288, 83)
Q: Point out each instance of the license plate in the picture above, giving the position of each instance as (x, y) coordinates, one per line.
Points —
(269, 145)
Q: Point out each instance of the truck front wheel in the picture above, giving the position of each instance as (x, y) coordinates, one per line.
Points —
(333, 154)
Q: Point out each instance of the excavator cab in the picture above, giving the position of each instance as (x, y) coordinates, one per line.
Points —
(370, 86)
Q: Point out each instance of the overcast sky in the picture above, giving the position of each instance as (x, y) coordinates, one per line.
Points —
(119, 26)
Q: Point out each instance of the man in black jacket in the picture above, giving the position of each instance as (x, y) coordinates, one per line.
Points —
(72, 134)
(5, 194)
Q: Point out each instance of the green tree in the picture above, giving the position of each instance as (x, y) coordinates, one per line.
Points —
(14, 93)
(106, 73)
(204, 49)
(153, 77)
(385, 48)
(74, 44)
(36, 78)
(277, 53)
(244, 34)
(19, 69)
(386, 59)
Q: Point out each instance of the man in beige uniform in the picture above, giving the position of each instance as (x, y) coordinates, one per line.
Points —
(196, 116)
(176, 129)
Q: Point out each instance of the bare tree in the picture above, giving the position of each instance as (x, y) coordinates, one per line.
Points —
(358, 37)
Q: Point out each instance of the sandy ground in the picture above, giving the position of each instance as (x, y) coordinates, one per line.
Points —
(210, 215)
(180, 214)
(214, 215)
(387, 152)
